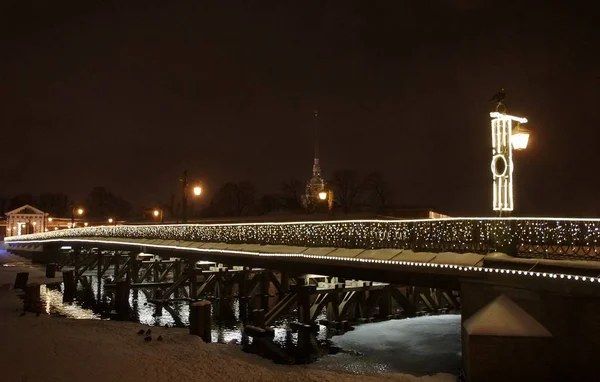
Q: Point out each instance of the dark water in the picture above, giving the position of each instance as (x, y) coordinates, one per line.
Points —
(420, 345)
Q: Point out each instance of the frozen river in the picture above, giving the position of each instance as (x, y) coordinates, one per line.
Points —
(419, 346)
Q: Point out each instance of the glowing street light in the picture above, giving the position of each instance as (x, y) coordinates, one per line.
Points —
(520, 137)
(75, 210)
(327, 195)
(196, 191)
(110, 220)
(158, 213)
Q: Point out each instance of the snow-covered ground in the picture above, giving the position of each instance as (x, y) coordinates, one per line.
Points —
(52, 349)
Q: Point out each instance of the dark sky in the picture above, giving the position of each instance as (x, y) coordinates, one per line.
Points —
(127, 96)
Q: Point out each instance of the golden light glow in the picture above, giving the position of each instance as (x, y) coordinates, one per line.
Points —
(520, 137)
(85, 224)
(34, 224)
(322, 195)
(110, 220)
(49, 219)
(197, 190)
(80, 211)
(156, 213)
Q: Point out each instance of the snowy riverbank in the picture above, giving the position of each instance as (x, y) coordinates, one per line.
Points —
(52, 349)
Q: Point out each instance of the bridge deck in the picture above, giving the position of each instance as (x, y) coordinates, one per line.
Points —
(394, 266)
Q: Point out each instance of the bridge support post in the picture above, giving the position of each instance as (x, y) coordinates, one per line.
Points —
(264, 290)
(33, 301)
(122, 297)
(544, 331)
(285, 285)
(385, 303)
(21, 280)
(200, 320)
(177, 271)
(304, 292)
(70, 285)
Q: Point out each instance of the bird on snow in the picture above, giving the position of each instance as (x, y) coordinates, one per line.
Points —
(159, 338)
(141, 331)
(148, 339)
(499, 97)
(148, 332)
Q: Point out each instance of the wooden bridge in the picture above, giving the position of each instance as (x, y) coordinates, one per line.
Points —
(375, 270)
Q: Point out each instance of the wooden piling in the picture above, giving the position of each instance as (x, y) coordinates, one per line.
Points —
(385, 303)
(200, 320)
(264, 290)
(304, 304)
(33, 301)
(51, 270)
(70, 282)
(21, 280)
(258, 318)
(122, 296)
(285, 284)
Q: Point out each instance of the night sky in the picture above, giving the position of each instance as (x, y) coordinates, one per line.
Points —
(128, 96)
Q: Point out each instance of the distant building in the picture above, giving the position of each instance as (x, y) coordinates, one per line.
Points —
(316, 184)
(25, 220)
(28, 219)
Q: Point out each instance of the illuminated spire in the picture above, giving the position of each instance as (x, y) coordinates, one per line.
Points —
(316, 166)
(316, 183)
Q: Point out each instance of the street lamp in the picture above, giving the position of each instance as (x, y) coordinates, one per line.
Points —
(75, 210)
(520, 137)
(197, 190)
(327, 196)
(110, 220)
(505, 138)
(158, 212)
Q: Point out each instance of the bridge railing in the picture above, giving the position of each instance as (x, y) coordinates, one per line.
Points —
(523, 237)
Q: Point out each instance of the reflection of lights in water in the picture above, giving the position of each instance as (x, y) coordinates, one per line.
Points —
(54, 304)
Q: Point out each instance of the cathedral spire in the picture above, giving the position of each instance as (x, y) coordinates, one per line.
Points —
(316, 165)
(316, 133)
(316, 184)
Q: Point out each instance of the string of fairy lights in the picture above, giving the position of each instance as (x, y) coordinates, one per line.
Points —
(529, 237)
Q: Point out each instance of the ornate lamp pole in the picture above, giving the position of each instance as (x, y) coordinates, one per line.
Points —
(505, 138)
(184, 194)
(75, 210)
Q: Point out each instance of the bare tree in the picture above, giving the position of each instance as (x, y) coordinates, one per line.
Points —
(347, 186)
(378, 190)
(291, 194)
(233, 199)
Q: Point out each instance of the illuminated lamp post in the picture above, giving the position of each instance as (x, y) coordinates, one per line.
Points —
(196, 191)
(327, 195)
(505, 139)
(75, 210)
(158, 213)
